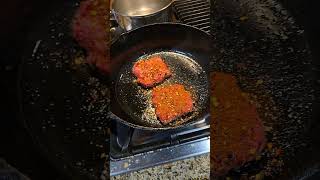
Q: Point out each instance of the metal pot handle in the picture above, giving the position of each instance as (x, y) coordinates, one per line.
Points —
(112, 16)
(115, 30)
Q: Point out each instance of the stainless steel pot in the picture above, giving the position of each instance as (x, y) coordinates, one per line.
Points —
(131, 14)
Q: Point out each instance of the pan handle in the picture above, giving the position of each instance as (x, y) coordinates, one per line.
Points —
(123, 138)
(115, 30)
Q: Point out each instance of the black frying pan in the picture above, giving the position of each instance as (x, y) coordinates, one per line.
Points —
(185, 49)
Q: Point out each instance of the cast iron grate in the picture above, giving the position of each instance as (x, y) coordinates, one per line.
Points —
(194, 12)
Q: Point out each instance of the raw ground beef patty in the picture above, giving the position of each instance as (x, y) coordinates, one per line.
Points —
(236, 130)
(151, 71)
(171, 101)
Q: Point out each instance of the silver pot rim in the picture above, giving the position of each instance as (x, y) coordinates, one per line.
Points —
(141, 16)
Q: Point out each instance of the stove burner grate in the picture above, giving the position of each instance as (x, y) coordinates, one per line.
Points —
(194, 12)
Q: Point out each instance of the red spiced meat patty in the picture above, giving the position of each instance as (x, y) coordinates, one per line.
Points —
(151, 71)
(171, 102)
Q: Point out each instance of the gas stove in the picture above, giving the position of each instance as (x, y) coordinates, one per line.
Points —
(134, 149)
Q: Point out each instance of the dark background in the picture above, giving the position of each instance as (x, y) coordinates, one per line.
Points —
(17, 16)
(307, 15)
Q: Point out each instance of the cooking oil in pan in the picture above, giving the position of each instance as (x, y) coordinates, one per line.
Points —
(136, 100)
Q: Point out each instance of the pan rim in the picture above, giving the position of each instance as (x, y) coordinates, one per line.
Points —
(131, 125)
(157, 24)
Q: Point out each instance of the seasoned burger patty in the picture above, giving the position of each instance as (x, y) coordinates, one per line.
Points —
(237, 131)
(151, 71)
(171, 101)
(90, 29)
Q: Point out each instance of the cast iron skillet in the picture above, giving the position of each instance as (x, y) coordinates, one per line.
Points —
(185, 49)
